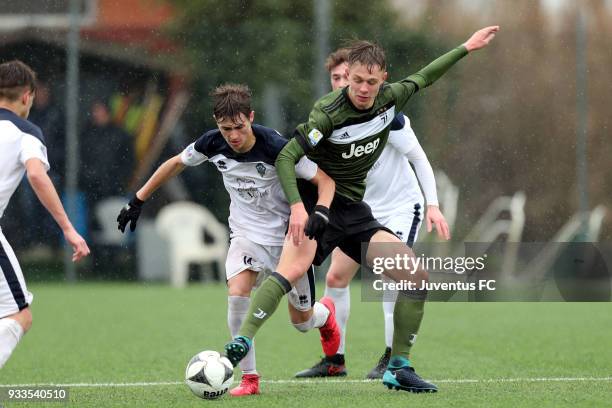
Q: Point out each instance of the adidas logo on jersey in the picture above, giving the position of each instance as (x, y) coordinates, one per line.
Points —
(361, 149)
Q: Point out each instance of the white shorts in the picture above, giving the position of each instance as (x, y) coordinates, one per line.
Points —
(405, 223)
(14, 295)
(245, 254)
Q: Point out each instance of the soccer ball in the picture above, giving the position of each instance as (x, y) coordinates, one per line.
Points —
(209, 375)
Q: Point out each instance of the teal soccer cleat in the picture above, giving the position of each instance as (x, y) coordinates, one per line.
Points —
(401, 376)
(237, 349)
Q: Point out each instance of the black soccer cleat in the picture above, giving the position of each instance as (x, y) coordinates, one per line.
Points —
(377, 372)
(237, 349)
(323, 368)
(400, 376)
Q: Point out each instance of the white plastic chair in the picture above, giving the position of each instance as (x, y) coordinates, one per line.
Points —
(106, 214)
(183, 224)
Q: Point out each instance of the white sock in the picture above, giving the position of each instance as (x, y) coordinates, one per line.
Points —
(304, 326)
(388, 312)
(342, 300)
(318, 318)
(388, 304)
(10, 334)
(237, 309)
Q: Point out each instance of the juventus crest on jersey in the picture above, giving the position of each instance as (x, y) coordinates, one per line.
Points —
(258, 210)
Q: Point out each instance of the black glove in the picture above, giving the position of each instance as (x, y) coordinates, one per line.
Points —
(130, 212)
(317, 222)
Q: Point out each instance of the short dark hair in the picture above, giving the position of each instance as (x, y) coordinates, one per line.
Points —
(366, 53)
(340, 56)
(15, 77)
(230, 100)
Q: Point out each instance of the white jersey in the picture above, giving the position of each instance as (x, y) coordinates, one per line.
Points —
(20, 140)
(392, 187)
(259, 210)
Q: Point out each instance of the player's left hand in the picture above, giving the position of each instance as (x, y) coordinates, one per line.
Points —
(78, 244)
(435, 218)
(317, 222)
(481, 38)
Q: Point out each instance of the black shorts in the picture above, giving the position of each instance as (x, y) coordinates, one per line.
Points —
(350, 224)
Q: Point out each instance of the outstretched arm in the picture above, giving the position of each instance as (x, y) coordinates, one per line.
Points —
(131, 212)
(169, 169)
(405, 88)
(46, 193)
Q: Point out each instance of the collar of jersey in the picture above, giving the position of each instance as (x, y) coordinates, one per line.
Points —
(8, 111)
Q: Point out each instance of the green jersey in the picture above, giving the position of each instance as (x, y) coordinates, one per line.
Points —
(345, 141)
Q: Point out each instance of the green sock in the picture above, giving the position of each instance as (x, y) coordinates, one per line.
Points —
(264, 303)
(407, 317)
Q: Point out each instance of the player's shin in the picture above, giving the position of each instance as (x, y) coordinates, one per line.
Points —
(388, 308)
(10, 334)
(264, 303)
(407, 317)
(237, 309)
(342, 300)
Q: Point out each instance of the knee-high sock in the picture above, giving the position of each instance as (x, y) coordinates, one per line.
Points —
(342, 300)
(388, 305)
(264, 304)
(10, 334)
(388, 308)
(407, 317)
(237, 308)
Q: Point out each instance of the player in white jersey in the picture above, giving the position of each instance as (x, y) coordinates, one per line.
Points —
(244, 153)
(393, 193)
(22, 150)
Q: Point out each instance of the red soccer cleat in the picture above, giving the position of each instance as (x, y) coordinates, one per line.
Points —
(330, 332)
(248, 386)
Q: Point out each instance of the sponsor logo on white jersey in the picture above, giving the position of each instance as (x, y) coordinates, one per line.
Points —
(358, 151)
(261, 169)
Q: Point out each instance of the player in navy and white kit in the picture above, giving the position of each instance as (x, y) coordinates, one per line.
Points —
(23, 151)
(244, 153)
(393, 193)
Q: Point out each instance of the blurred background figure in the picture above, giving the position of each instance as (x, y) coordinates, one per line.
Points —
(106, 166)
(107, 157)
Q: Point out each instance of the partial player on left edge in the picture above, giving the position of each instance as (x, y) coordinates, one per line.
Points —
(23, 151)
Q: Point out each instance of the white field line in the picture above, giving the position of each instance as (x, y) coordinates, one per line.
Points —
(319, 381)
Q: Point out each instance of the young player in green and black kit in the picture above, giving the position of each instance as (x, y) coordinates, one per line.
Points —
(345, 135)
